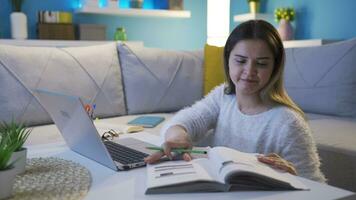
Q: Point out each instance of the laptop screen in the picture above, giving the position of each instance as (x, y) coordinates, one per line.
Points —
(75, 125)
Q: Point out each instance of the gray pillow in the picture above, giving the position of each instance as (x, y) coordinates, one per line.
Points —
(160, 81)
(92, 73)
(322, 79)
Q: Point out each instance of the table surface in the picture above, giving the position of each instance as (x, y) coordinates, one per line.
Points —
(132, 184)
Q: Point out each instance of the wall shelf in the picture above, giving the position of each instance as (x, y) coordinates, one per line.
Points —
(250, 16)
(62, 43)
(306, 43)
(135, 12)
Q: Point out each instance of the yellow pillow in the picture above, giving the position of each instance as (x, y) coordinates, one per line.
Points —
(213, 67)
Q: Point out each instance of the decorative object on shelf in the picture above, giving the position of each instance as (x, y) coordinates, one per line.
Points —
(285, 16)
(52, 178)
(56, 31)
(18, 21)
(120, 34)
(113, 3)
(7, 170)
(50, 17)
(65, 17)
(136, 3)
(92, 32)
(175, 4)
(90, 3)
(45, 16)
(254, 6)
(17, 134)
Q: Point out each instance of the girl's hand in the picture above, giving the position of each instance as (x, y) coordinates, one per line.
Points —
(275, 161)
(176, 137)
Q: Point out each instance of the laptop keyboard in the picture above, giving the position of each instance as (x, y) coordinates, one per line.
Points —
(124, 155)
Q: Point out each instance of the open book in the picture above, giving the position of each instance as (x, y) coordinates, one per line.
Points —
(224, 169)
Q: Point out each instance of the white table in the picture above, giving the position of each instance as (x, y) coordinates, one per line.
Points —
(109, 184)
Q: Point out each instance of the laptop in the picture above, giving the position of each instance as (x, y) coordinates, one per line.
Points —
(81, 135)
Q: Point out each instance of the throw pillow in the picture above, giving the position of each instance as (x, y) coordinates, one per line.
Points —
(214, 73)
(91, 72)
(156, 80)
(322, 79)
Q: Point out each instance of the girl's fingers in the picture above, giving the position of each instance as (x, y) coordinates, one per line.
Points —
(273, 155)
(265, 160)
(187, 157)
(279, 163)
(167, 146)
(178, 144)
(153, 157)
(167, 150)
(286, 168)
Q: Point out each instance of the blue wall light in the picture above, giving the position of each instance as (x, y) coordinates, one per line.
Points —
(124, 4)
(160, 4)
(103, 3)
(148, 4)
(77, 4)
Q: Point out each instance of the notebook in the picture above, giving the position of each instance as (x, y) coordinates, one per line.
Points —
(146, 121)
(81, 135)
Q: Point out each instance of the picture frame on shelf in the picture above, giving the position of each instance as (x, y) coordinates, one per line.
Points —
(175, 4)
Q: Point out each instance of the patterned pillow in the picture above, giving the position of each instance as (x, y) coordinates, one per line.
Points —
(322, 79)
(156, 80)
(91, 72)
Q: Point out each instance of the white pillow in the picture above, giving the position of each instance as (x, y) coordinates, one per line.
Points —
(92, 73)
(322, 79)
(156, 80)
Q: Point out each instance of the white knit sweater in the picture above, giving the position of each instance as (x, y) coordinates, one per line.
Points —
(279, 130)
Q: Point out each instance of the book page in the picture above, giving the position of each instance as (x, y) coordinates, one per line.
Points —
(222, 156)
(176, 172)
(232, 162)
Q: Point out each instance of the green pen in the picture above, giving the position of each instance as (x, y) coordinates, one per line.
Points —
(180, 150)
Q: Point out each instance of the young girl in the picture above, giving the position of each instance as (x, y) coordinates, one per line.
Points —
(251, 112)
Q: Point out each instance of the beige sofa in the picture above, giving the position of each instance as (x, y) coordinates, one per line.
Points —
(129, 80)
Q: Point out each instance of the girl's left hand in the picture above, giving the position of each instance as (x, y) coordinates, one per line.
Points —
(275, 161)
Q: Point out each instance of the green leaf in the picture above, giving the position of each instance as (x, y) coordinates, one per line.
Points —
(12, 137)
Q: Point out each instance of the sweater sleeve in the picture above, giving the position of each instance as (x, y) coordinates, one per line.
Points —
(200, 117)
(298, 147)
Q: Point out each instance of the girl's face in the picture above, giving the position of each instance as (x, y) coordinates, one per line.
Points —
(251, 64)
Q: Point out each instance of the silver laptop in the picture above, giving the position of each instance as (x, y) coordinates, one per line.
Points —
(81, 135)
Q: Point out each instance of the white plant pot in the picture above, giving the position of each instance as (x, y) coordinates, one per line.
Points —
(19, 157)
(18, 25)
(7, 179)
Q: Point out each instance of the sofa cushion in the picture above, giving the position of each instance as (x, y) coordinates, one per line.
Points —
(335, 138)
(156, 80)
(322, 79)
(214, 73)
(91, 72)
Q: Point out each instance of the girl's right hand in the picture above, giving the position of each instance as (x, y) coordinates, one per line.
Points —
(176, 137)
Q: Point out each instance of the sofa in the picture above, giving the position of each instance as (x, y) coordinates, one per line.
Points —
(126, 80)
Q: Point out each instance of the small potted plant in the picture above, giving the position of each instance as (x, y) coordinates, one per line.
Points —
(284, 13)
(7, 170)
(284, 16)
(254, 6)
(17, 134)
(136, 3)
